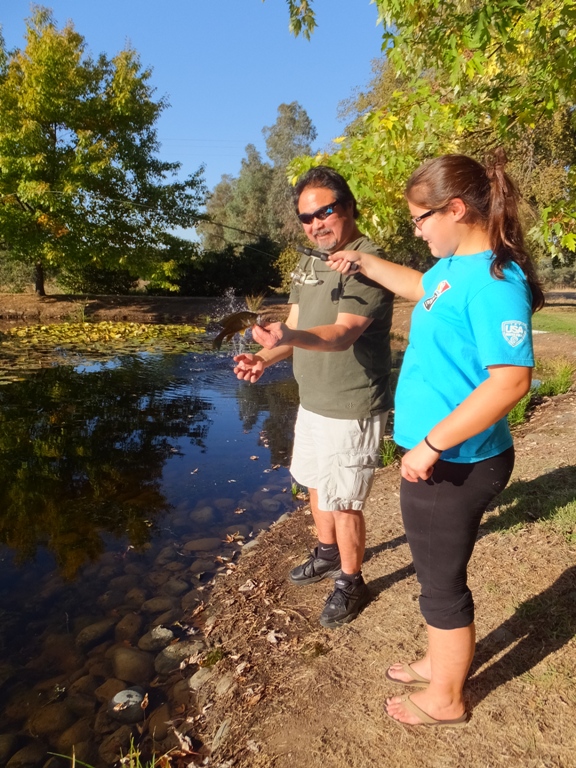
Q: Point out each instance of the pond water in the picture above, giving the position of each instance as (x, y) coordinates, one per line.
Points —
(124, 481)
(129, 482)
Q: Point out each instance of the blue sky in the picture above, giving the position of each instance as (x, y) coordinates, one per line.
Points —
(226, 65)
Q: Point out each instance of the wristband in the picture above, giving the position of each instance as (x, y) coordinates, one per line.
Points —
(429, 444)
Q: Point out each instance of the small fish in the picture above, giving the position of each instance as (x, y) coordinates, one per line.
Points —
(236, 323)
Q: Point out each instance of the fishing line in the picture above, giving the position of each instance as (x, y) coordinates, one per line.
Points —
(200, 218)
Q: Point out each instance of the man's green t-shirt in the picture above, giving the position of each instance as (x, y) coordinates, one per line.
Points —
(355, 383)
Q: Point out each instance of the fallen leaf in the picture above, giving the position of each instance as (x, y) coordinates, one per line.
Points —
(274, 636)
(185, 743)
(199, 608)
(241, 667)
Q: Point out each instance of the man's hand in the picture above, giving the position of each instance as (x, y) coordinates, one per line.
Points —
(418, 464)
(272, 335)
(248, 367)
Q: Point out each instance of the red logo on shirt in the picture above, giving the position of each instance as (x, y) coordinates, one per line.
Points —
(443, 286)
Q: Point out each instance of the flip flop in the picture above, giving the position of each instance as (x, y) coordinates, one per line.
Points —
(426, 719)
(415, 679)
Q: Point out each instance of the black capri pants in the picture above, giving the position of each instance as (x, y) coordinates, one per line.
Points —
(441, 517)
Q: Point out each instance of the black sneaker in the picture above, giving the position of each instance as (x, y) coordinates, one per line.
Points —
(315, 569)
(344, 604)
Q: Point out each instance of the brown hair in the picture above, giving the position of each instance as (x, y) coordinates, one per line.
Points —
(324, 177)
(491, 199)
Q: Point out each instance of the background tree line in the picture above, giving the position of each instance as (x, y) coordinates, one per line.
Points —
(84, 196)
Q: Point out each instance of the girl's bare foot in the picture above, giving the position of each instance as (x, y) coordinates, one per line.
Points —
(417, 673)
(398, 708)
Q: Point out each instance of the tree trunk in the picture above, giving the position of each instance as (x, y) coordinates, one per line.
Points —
(39, 279)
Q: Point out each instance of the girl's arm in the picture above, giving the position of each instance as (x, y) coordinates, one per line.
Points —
(403, 281)
(486, 405)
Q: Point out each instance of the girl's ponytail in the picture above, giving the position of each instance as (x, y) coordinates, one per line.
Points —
(504, 228)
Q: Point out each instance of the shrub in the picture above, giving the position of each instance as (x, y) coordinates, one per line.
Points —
(96, 280)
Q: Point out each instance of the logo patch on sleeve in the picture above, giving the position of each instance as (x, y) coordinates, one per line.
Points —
(443, 286)
(514, 331)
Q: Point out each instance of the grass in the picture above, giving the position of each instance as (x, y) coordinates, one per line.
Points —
(562, 321)
(78, 315)
(519, 413)
(389, 452)
(547, 500)
(132, 759)
(557, 376)
(255, 302)
(563, 521)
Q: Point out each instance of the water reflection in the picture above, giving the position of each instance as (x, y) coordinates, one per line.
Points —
(109, 448)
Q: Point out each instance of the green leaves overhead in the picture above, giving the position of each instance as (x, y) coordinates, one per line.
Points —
(469, 76)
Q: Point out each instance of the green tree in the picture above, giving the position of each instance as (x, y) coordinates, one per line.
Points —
(80, 180)
(258, 202)
(237, 208)
(251, 217)
(213, 228)
(291, 136)
(470, 75)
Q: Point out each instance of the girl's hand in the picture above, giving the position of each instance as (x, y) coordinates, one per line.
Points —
(342, 261)
(418, 464)
(271, 335)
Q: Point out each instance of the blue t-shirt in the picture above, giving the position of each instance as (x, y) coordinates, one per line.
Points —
(466, 321)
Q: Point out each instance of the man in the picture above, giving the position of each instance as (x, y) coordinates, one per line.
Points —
(338, 330)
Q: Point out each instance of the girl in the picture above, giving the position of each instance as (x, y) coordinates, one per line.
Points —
(468, 362)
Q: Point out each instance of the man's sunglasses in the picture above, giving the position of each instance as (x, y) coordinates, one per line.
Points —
(320, 213)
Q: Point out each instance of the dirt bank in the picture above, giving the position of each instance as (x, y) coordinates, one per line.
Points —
(288, 693)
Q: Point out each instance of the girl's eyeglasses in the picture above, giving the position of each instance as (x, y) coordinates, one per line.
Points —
(416, 220)
(320, 213)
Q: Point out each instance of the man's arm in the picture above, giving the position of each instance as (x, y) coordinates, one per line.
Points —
(335, 337)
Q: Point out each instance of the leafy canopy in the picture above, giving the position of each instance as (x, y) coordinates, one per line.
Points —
(80, 181)
(469, 75)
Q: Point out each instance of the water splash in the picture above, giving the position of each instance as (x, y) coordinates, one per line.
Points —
(228, 304)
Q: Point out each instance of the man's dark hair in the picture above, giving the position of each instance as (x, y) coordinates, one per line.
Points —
(325, 177)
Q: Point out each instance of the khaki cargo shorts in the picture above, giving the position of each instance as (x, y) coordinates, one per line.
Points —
(337, 457)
